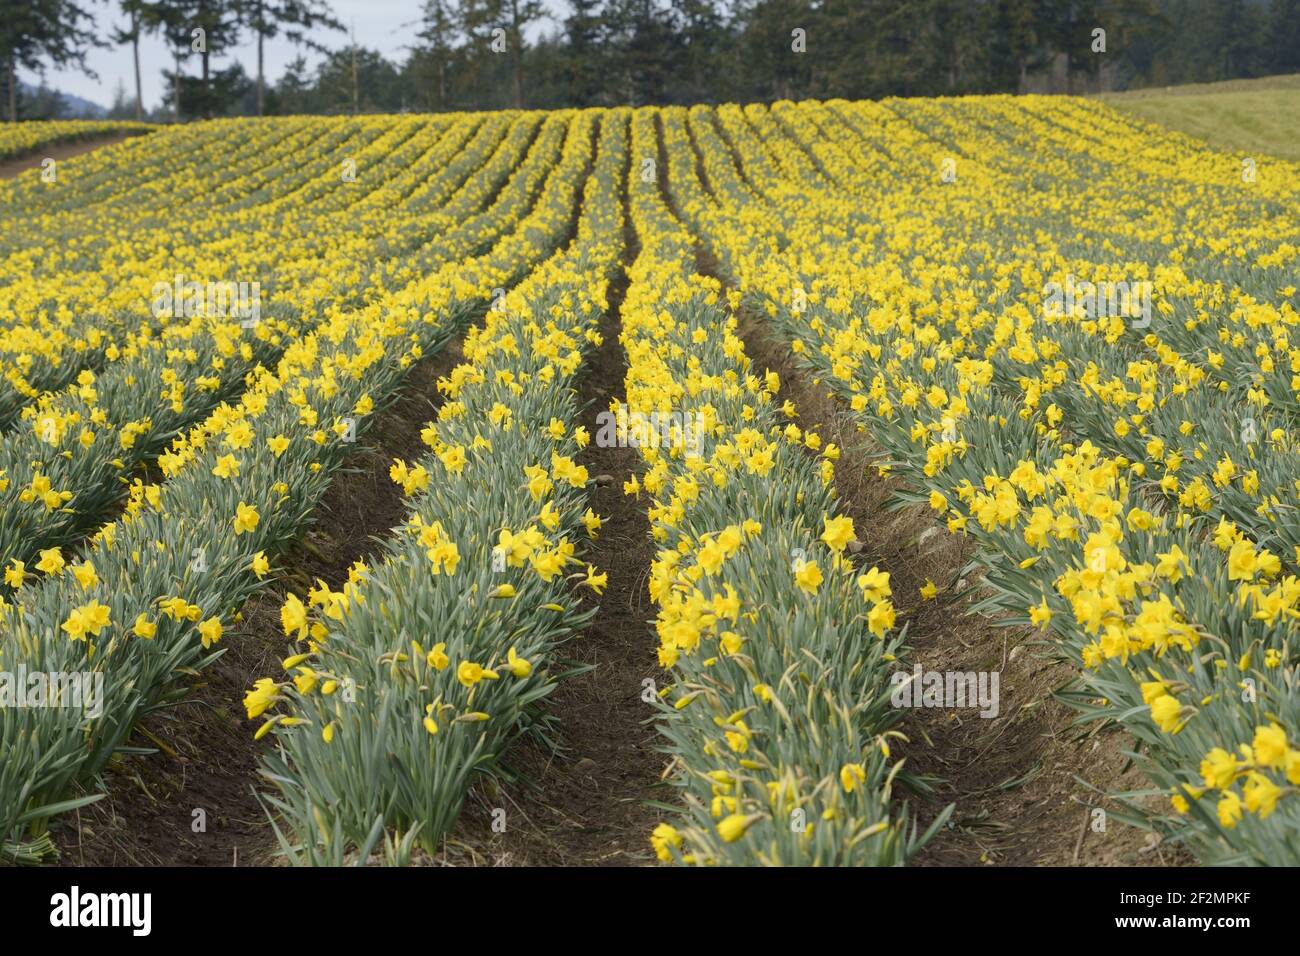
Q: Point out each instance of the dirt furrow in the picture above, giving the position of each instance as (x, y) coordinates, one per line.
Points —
(193, 802)
(11, 167)
(583, 799)
(1025, 785)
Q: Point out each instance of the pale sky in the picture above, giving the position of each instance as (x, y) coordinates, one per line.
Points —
(383, 25)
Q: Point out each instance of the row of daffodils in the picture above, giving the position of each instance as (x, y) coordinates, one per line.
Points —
(1129, 473)
(18, 139)
(83, 252)
(262, 204)
(143, 606)
(80, 455)
(779, 649)
(409, 681)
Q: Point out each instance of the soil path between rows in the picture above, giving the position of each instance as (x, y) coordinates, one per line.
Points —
(588, 802)
(1024, 786)
(9, 168)
(208, 760)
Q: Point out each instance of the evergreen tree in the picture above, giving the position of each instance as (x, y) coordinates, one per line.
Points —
(585, 52)
(131, 33)
(703, 42)
(431, 61)
(208, 28)
(1282, 53)
(39, 33)
(357, 80)
(266, 18)
(294, 92)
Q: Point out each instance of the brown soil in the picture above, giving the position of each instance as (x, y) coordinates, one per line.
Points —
(208, 759)
(1024, 784)
(586, 805)
(11, 167)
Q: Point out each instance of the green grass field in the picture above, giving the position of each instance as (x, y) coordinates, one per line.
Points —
(1260, 115)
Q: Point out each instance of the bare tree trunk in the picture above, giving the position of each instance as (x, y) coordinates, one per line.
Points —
(519, 80)
(356, 96)
(13, 90)
(259, 24)
(261, 82)
(517, 54)
(135, 52)
(176, 88)
(207, 86)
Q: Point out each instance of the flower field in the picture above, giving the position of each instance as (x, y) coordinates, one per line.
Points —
(1058, 336)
